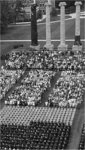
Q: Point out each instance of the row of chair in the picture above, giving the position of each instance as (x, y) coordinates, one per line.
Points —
(36, 136)
(23, 115)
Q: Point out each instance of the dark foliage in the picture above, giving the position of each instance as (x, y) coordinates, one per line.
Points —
(4, 15)
(39, 14)
(53, 12)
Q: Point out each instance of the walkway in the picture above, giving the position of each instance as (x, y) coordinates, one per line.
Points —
(40, 40)
(49, 90)
(72, 15)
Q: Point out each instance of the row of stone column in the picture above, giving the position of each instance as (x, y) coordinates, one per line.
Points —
(62, 45)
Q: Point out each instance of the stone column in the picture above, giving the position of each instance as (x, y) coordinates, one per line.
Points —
(77, 44)
(34, 34)
(48, 28)
(62, 45)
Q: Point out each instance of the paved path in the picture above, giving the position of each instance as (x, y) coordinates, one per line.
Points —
(82, 15)
(72, 15)
(49, 90)
(41, 23)
(76, 129)
(40, 40)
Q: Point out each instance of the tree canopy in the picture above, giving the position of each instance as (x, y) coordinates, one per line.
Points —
(9, 12)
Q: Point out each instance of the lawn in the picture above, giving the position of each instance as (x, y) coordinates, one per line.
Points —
(23, 32)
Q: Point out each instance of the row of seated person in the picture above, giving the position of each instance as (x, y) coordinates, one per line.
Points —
(16, 60)
(31, 88)
(55, 61)
(7, 79)
(37, 136)
(82, 139)
(68, 90)
(45, 59)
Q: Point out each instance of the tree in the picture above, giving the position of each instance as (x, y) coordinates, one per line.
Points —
(39, 14)
(4, 15)
(53, 12)
(9, 12)
(18, 8)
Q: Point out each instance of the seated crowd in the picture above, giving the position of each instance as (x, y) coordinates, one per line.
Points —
(32, 86)
(36, 127)
(40, 128)
(69, 63)
(45, 60)
(62, 95)
(7, 79)
(36, 136)
(51, 60)
(30, 59)
(82, 139)
(68, 90)
(16, 60)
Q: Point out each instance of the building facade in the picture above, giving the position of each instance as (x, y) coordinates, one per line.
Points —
(40, 3)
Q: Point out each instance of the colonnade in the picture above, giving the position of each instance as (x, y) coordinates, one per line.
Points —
(62, 46)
